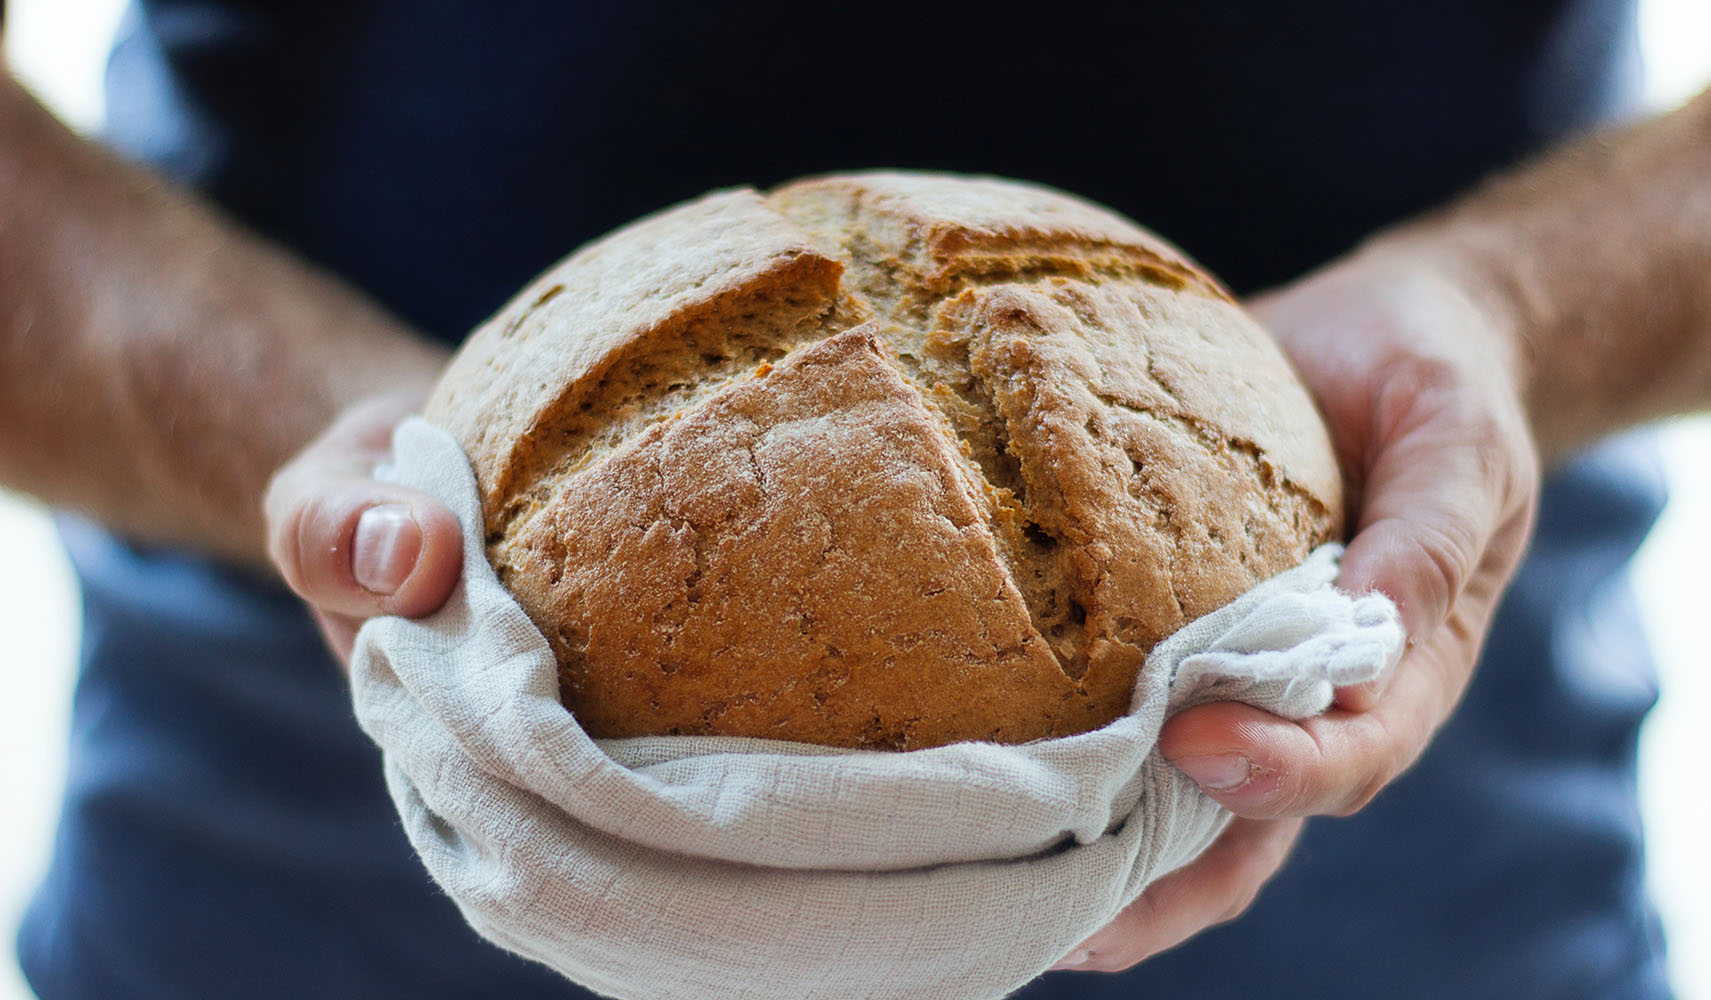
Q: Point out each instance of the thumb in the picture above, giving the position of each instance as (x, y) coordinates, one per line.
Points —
(358, 548)
(350, 545)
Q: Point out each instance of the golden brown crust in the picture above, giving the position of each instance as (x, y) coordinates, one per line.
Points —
(887, 460)
(660, 298)
(944, 230)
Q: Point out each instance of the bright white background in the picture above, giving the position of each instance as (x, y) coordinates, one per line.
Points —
(58, 47)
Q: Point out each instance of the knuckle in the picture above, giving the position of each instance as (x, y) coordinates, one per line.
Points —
(1417, 388)
(1297, 795)
(1445, 556)
(307, 550)
(1348, 767)
(1239, 902)
(1302, 787)
(318, 525)
(1387, 754)
(1493, 449)
(1361, 795)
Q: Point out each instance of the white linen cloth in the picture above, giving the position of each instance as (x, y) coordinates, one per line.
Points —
(705, 867)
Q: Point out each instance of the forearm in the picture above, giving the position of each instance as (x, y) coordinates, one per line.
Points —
(1598, 257)
(157, 363)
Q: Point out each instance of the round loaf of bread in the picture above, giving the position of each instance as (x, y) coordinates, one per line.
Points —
(879, 460)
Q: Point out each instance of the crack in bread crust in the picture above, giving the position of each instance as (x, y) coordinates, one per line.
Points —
(902, 439)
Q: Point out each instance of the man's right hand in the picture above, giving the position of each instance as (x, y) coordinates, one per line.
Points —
(354, 547)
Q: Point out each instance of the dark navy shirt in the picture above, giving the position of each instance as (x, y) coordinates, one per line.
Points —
(225, 830)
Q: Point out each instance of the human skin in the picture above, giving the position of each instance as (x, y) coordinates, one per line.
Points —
(1419, 384)
(1551, 306)
(158, 365)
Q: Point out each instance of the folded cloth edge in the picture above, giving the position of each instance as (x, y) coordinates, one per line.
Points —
(481, 758)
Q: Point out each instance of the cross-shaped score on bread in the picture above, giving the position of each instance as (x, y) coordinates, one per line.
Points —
(880, 460)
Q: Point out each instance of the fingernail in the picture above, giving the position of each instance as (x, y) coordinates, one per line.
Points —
(1074, 960)
(385, 548)
(1217, 772)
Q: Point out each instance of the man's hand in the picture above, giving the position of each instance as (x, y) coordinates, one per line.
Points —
(354, 547)
(1216, 887)
(1545, 309)
(1420, 383)
(1421, 386)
